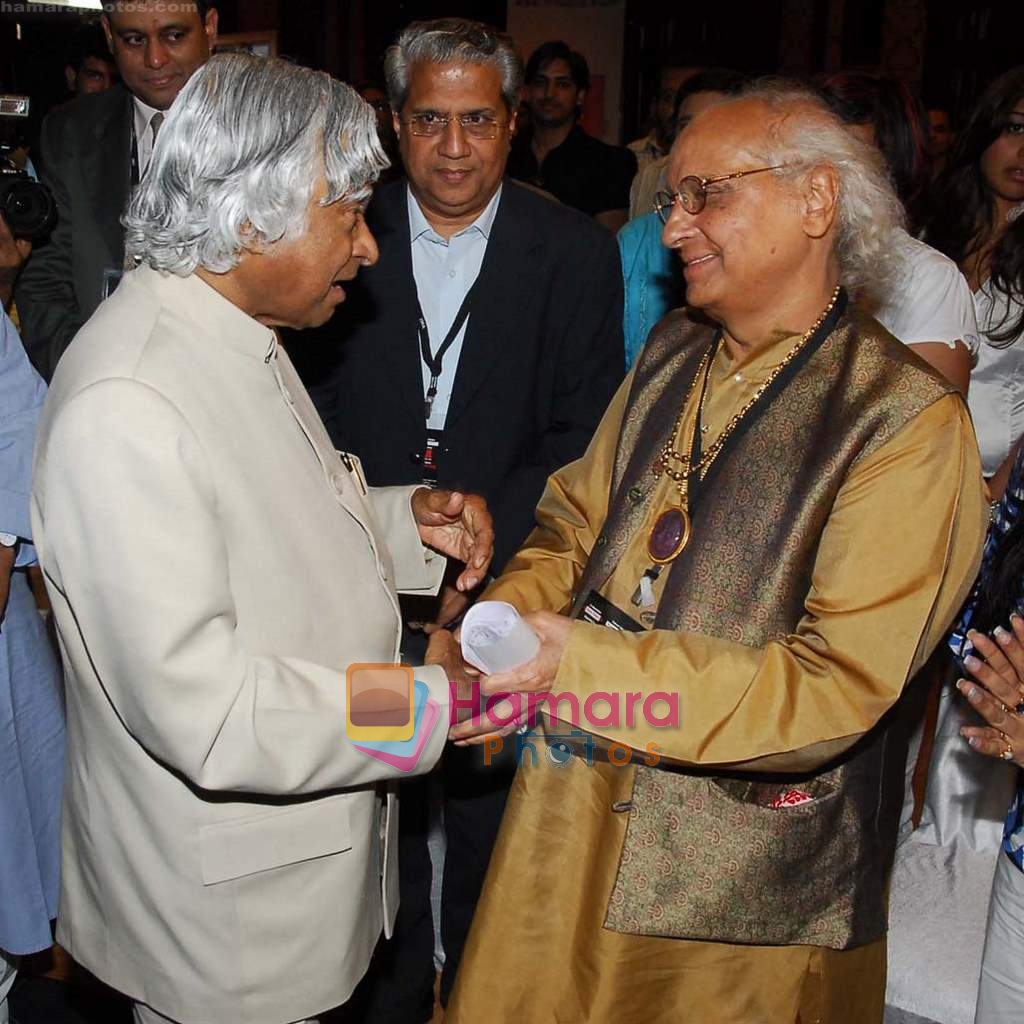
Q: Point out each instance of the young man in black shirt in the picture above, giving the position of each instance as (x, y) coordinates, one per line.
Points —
(556, 154)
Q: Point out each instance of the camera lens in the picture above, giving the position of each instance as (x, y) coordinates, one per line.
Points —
(27, 207)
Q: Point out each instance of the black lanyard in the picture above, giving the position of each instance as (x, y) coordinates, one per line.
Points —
(434, 361)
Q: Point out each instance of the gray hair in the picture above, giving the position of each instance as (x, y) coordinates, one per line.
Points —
(806, 134)
(238, 158)
(452, 41)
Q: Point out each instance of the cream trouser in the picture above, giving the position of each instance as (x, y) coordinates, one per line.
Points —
(1001, 994)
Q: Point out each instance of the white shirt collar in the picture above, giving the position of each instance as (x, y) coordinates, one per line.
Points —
(143, 115)
(419, 225)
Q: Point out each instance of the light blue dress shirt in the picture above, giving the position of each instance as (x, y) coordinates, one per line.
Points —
(31, 694)
(444, 270)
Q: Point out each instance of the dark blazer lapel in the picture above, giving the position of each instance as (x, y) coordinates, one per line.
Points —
(506, 276)
(395, 289)
(108, 177)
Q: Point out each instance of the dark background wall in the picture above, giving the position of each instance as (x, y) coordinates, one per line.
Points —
(949, 52)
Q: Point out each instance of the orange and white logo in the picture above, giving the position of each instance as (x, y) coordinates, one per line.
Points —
(380, 705)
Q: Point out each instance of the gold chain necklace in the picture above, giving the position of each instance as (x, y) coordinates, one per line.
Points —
(671, 530)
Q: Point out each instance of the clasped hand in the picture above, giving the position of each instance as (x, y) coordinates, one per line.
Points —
(535, 676)
(458, 525)
(996, 692)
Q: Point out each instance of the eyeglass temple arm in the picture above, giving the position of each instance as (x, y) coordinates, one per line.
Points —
(739, 174)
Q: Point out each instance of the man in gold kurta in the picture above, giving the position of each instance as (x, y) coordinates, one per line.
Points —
(832, 485)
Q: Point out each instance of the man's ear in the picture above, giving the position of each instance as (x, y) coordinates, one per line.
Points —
(71, 77)
(396, 123)
(210, 27)
(581, 100)
(105, 22)
(513, 123)
(820, 200)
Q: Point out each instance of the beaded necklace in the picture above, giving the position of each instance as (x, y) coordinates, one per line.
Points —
(671, 531)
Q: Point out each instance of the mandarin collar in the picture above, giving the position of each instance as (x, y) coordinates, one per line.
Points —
(194, 300)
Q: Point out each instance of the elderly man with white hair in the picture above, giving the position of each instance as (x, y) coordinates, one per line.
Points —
(215, 567)
(779, 515)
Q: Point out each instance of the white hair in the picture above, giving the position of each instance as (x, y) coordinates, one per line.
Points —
(238, 158)
(804, 134)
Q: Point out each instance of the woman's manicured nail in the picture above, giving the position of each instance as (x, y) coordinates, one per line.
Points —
(967, 688)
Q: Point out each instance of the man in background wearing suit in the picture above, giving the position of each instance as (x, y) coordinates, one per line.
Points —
(94, 150)
(482, 349)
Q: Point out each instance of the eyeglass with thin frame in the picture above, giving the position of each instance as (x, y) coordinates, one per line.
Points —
(477, 126)
(692, 192)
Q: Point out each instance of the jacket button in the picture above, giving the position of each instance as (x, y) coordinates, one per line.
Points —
(415, 458)
(635, 495)
(601, 541)
(622, 806)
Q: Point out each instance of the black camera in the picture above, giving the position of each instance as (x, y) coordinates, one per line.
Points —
(26, 206)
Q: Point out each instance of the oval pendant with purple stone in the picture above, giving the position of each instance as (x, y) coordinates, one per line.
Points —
(669, 535)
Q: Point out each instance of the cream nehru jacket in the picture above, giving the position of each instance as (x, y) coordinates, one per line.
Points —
(228, 855)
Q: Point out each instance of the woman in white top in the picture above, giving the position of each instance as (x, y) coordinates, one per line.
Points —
(977, 222)
(929, 304)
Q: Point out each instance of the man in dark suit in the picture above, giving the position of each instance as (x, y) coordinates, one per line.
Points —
(94, 150)
(480, 352)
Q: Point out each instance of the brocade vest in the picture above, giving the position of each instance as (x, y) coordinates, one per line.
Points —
(706, 856)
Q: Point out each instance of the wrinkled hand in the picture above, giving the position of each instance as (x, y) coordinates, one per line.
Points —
(13, 254)
(457, 525)
(473, 733)
(445, 650)
(454, 602)
(996, 692)
(536, 676)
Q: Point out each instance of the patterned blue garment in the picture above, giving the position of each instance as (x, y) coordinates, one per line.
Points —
(31, 694)
(1007, 514)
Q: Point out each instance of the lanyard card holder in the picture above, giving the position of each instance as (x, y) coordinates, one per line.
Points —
(431, 457)
(600, 611)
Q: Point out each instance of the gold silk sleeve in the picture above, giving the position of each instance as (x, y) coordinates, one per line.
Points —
(896, 560)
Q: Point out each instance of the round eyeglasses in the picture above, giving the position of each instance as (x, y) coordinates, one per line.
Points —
(692, 192)
(476, 126)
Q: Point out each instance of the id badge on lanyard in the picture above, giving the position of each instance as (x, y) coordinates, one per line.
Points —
(434, 361)
(432, 457)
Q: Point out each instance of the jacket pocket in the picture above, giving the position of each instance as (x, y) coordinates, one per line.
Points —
(244, 846)
(772, 795)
